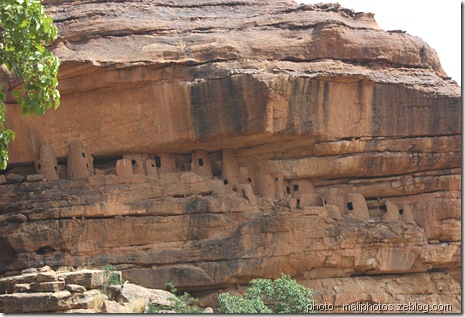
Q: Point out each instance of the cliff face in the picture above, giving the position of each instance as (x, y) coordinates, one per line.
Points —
(241, 139)
(155, 76)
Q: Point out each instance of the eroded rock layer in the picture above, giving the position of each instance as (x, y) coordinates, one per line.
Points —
(210, 142)
(158, 76)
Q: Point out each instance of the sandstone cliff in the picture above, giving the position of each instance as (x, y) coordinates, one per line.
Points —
(210, 142)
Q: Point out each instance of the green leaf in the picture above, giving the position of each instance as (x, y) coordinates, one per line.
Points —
(283, 295)
(25, 32)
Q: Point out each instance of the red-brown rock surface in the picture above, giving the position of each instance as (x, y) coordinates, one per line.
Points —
(255, 138)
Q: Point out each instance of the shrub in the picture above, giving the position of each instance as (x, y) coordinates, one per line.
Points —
(283, 295)
(113, 278)
(240, 305)
(182, 304)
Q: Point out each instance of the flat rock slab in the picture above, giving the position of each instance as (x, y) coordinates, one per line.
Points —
(89, 279)
(15, 178)
(74, 288)
(7, 284)
(131, 292)
(34, 302)
(48, 286)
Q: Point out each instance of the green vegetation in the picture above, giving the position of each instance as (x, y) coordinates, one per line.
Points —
(25, 30)
(113, 278)
(283, 295)
(182, 304)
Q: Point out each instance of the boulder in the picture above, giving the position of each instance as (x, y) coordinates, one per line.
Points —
(14, 178)
(112, 307)
(34, 177)
(74, 288)
(207, 310)
(93, 299)
(47, 276)
(131, 292)
(90, 279)
(7, 284)
(29, 271)
(114, 290)
(45, 269)
(19, 288)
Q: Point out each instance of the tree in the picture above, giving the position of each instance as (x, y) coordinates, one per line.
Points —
(283, 295)
(25, 31)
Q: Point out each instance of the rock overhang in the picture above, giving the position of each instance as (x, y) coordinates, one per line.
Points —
(210, 73)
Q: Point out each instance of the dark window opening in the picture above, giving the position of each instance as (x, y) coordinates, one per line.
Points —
(298, 203)
(350, 206)
(200, 161)
(56, 168)
(39, 167)
(296, 187)
(401, 211)
(288, 190)
(157, 161)
(234, 188)
(383, 208)
(225, 182)
(83, 155)
(87, 165)
(249, 180)
(134, 163)
(276, 179)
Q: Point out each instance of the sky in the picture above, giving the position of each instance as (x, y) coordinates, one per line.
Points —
(438, 23)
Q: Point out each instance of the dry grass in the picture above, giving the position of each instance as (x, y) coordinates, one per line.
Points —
(86, 267)
(64, 269)
(98, 301)
(138, 305)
